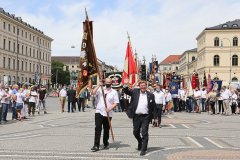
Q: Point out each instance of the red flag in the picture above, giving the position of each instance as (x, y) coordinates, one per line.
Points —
(204, 80)
(130, 68)
(209, 85)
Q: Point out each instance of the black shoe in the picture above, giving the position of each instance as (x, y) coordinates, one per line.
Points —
(142, 153)
(106, 147)
(95, 148)
(139, 146)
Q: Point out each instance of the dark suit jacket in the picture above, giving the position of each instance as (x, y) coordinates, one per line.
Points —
(71, 95)
(135, 93)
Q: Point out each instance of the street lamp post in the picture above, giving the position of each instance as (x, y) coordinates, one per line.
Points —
(230, 57)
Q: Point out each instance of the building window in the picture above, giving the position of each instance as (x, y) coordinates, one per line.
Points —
(22, 49)
(9, 63)
(235, 41)
(14, 64)
(4, 43)
(22, 33)
(4, 25)
(18, 65)
(26, 35)
(176, 68)
(17, 31)
(234, 60)
(18, 47)
(26, 66)
(216, 41)
(26, 50)
(33, 67)
(14, 29)
(14, 46)
(30, 50)
(216, 60)
(33, 38)
(22, 66)
(30, 66)
(9, 28)
(193, 58)
(4, 61)
(33, 53)
(164, 68)
(9, 45)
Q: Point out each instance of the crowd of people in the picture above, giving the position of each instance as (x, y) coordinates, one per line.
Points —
(22, 101)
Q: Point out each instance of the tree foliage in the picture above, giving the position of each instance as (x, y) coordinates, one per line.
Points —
(63, 77)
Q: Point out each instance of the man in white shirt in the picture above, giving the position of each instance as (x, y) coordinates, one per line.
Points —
(141, 110)
(63, 95)
(226, 96)
(181, 96)
(5, 98)
(102, 112)
(203, 99)
(197, 96)
(160, 103)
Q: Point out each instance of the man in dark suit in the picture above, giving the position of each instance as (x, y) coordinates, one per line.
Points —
(71, 94)
(141, 111)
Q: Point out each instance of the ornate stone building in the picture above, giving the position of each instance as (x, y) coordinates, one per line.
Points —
(25, 52)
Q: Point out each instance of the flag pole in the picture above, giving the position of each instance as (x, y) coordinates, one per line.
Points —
(104, 98)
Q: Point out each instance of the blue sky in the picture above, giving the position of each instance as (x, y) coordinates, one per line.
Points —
(160, 27)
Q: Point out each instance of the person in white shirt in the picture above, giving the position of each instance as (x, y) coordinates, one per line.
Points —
(26, 102)
(182, 97)
(32, 101)
(63, 95)
(197, 96)
(234, 102)
(168, 99)
(104, 113)
(203, 99)
(160, 104)
(226, 95)
(5, 100)
(19, 103)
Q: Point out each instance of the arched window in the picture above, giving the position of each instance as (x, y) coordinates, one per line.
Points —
(193, 58)
(234, 79)
(216, 60)
(216, 41)
(234, 60)
(235, 41)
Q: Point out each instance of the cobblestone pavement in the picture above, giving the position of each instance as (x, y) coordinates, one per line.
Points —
(56, 135)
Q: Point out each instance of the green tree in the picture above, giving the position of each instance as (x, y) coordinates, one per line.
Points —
(63, 77)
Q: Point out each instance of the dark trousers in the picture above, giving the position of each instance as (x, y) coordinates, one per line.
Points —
(4, 111)
(203, 102)
(182, 104)
(158, 113)
(212, 104)
(14, 112)
(141, 123)
(220, 106)
(175, 104)
(101, 121)
(81, 104)
(233, 107)
(72, 106)
(31, 108)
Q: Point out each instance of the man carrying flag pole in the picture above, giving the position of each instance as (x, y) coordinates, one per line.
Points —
(107, 98)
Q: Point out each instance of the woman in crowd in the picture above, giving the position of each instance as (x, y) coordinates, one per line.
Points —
(32, 101)
(212, 97)
(168, 107)
(19, 103)
(234, 102)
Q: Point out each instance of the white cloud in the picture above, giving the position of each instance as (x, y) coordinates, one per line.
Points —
(156, 27)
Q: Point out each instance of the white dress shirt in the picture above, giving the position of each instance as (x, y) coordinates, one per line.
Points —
(111, 98)
(159, 97)
(197, 94)
(142, 107)
(203, 94)
(226, 94)
(181, 94)
(63, 93)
